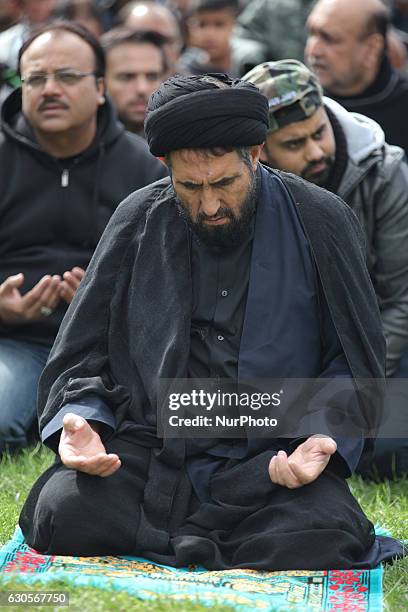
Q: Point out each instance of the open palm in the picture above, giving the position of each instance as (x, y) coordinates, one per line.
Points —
(304, 465)
(81, 448)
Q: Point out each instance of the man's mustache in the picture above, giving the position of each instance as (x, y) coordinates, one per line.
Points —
(314, 63)
(139, 100)
(221, 212)
(51, 102)
(312, 165)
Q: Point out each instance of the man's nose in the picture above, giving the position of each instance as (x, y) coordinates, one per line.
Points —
(313, 47)
(51, 86)
(142, 86)
(314, 151)
(209, 203)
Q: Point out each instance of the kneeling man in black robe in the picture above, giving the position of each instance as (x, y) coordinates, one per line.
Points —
(226, 270)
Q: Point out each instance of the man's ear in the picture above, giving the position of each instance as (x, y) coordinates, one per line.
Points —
(255, 153)
(263, 157)
(396, 50)
(100, 85)
(375, 49)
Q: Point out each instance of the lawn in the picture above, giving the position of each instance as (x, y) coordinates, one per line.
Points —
(385, 503)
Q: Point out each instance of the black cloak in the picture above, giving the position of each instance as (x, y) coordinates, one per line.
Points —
(129, 323)
(129, 326)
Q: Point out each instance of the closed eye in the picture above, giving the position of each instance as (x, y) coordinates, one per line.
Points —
(190, 186)
(225, 182)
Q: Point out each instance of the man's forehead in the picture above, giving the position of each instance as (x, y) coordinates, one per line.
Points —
(195, 165)
(53, 47)
(150, 20)
(300, 129)
(135, 54)
(335, 16)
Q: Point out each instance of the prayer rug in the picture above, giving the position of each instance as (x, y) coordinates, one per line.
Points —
(354, 590)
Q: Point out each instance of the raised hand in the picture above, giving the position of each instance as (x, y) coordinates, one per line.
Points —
(39, 302)
(81, 448)
(304, 465)
(70, 283)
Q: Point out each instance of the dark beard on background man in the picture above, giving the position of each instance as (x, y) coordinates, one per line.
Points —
(132, 126)
(322, 178)
(231, 234)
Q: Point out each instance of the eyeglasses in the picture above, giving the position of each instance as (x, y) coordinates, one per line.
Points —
(63, 77)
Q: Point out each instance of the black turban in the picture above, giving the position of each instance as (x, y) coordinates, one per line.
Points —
(194, 113)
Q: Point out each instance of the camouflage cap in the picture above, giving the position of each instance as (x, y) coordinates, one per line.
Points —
(293, 91)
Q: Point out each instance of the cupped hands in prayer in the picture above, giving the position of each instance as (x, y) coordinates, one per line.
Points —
(16, 308)
(41, 300)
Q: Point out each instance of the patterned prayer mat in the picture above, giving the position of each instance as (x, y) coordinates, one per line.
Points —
(354, 591)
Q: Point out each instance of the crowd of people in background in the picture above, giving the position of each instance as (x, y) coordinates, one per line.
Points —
(75, 80)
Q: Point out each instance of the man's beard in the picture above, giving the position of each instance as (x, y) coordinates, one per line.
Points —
(319, 178)
(232, 233)
(136, 127)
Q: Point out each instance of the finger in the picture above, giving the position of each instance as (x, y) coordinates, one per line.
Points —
(98, 465)
(278, 471)
(73, 422)
(111, 470)
(285, 474)
(53, 302)
(48, 299)
(51, 295)
(72, 280)
(66, 292)
(328, 445)
(69, 286)
(48, 295)
(78, 433)
(73, 462)
(89, 465)
(32, 299)
(12, 282)
(78, 272)
(272, 470)
(320, 443)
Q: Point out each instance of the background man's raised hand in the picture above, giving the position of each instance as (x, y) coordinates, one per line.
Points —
(40, 301)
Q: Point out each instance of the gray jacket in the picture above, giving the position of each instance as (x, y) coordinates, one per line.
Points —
(375, 186)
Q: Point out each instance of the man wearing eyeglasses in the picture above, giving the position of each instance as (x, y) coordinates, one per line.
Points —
(66, 164)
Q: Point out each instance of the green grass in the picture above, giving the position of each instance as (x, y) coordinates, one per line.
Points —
(385, 503)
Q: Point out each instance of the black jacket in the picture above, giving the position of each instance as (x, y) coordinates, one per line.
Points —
(53, 211)
(385, 101)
